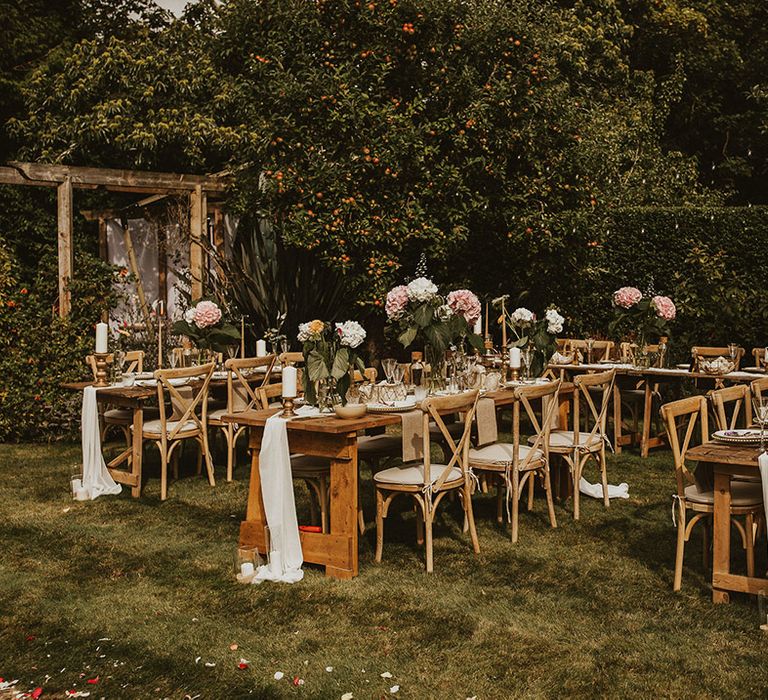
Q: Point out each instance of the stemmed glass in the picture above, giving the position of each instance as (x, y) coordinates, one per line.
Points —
(527, 357)
(760, 406)
(389, 364)
(590, 346)
(118, 361)
(732, 351)
(173, 357)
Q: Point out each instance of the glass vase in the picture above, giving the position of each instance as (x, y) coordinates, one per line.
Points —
(327, 395)
(437, 366)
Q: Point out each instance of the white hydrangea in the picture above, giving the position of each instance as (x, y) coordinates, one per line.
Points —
(303, 335)
(554, 321)
(351, 333)
(444, 312)
(421, 289)
(522, 316)
(189, 314)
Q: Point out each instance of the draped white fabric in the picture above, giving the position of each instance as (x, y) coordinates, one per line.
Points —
(97, 480)
(286, 556)
(596, 490)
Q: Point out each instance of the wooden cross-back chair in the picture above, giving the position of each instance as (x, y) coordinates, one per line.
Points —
(120, 417)
(758, 386)
(601, 349)
(513, 465)
(680, 418)
(759, 355)
(699, 351)
(189, 420)
(428, 483)
(242, 395)
(577, 447)
(731, 406)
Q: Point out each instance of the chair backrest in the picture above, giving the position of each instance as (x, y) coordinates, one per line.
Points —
(434, 408)
(191, 404)
(242, 386)
(759, 355)
(734, 400)
(369, 375)
(698, 351)
(541, 423)
(294, 358)
(268, 392)
(626, 352)
(680, 418)
(596, 415)
(601, 349)
(134, 361)
(757, 387)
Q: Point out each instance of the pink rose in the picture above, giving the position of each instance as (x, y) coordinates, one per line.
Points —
(665, 308)
(397, 300)
(206, 314)
(465, 303)
(627, 297)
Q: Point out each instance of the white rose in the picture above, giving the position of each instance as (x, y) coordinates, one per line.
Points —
(351, 333)
(522, 316)
(421, 289)
(189, 314)
(303, 335)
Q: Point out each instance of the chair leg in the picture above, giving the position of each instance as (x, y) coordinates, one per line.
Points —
(229, 435)
(515, 496)
(577, 467)
(750, 532)
(164, 470)
(428, 517)
(208, 461)
(705, 543)
(323, 498)
(680, 547)
(175, 463)
(379, 526)
(419, 525)
(550, 501)
(469, 517)
(604, 477)
(500, 489)
(531, 486)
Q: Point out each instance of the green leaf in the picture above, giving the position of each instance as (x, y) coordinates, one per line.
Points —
(340, 364)
(423, 315)
(316, 367)
(408, 336)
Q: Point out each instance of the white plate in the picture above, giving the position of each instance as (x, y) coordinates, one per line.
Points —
(220, 375)
(178, 381)
(683, 366)
(406, 405)
(760, 370)
(146, 382)
(144, 375)
(741, 436)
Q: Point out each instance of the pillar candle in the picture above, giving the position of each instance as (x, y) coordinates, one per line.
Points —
(289, 382)
(261, 348)
(478, 329)
(514, 358)
(101, 337)
(276, 563)
(246, 568)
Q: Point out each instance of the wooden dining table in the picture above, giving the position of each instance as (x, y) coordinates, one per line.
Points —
(335, 439)
(627, 376)
(727, 461)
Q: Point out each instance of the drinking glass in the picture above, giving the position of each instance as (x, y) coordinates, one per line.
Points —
(765, 357)
(233, 351)
(388, 364)
(760, 406)
(590, 346)
(527, 357)
(732, 350)
(119, 360)
(173, 358)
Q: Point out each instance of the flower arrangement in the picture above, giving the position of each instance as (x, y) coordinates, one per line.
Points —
(417, 311)
(204, 324)
(539, 333)
(330, 353)
(644, 316)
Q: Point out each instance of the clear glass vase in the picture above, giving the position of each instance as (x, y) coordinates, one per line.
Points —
(327, 395)
(437, 367)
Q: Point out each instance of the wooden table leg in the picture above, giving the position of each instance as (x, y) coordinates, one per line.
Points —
(344, 476)
(617, 418)
(721, 547)
(137, 451)
(647, 407)
(252, 528)
(564, 410)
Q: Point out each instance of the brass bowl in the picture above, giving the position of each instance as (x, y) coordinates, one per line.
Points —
(350, 411)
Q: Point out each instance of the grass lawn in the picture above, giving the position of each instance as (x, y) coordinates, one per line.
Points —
(141, 595)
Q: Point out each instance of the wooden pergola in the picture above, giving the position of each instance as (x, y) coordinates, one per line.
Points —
(66, 178)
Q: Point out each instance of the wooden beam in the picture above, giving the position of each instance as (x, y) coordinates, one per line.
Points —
(132, 180)
(65, 248)
(197, 230)
(103, 248)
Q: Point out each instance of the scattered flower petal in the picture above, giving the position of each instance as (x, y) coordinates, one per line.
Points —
(233, 647)
(386, 674)
(243, 664)
(347, 696)
(36, 693)
(298, 681)
(93, 681)
(278, 675)
(329, 669)
(394, 689)
(197, 659)
(210, 664)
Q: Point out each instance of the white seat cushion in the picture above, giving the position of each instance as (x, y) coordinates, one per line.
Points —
(413, 474)
(564, 439)
(377, 445)
(743, 493)
(306, 466)
(118, 415)
(155, 426)
(215, 416)
(500, 452)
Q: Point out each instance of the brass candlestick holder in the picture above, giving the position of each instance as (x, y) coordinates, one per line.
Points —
(101, 368)
(505, 370)
(288, 411)
(515, 376)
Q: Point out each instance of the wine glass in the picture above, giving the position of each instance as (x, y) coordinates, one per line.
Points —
(760, 406)
(173, 358)
(527, 357)
(388, 364)
(732, 350)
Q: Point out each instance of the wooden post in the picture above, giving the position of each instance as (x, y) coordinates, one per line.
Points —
(103, 247)
(197, 230)
(65, 250)
(162, 264)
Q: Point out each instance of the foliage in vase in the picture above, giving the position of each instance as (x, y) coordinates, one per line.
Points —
(207, 328)
(330, 351)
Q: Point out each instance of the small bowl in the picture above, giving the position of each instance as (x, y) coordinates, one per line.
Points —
(129, 379)
(351, 410)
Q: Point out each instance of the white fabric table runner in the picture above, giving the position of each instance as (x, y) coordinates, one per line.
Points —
(96, 477)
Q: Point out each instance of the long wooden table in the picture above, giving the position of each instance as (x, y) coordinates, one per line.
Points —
(335, 439)
(650, 376)
(728, 461)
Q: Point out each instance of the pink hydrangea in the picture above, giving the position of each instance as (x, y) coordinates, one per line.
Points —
(206, 314)
(397, 300)
(627, 297)
(465, 303)
(665, 307)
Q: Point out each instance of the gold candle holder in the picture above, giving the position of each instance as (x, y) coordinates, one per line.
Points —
(505, 370)
(288, 411)
(515, 374)
(101, 368)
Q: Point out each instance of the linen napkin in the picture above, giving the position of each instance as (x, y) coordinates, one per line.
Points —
(96, 477)
(412, 424)
(762, 463)
(285, 553)
(596, 490)
(487, 428)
